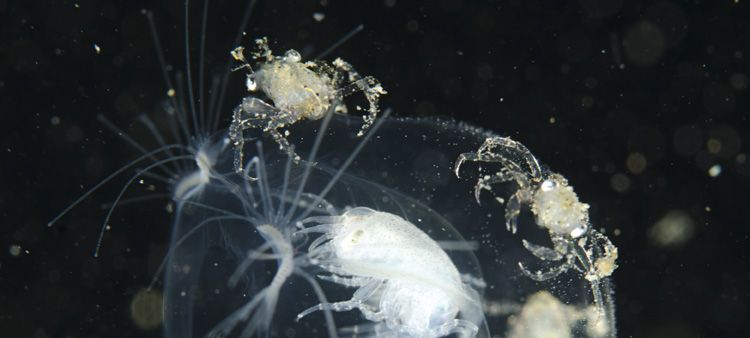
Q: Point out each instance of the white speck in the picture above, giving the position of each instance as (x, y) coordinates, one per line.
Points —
(318, 16)
(171, 92)
(97, 49)
(715, 170)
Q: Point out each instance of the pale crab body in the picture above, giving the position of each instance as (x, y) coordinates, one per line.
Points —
(294, 87)
(556, 207)
(297, 90)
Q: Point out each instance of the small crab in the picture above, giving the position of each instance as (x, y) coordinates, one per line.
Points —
(555, 206)
(298, 90)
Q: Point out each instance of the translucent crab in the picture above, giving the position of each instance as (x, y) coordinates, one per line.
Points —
(297, 90)
(556, 208)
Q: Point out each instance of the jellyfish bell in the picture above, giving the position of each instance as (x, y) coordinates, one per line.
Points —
(248, 257)
(239, 262)
(242, 264)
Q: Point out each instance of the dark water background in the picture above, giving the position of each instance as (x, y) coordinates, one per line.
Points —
(633, 101)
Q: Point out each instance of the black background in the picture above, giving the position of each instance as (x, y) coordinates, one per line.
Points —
(652, 81)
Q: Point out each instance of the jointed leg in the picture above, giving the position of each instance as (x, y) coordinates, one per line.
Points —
(521, 150)
(370, 87)
(543, 253)
(282, 142)
(512, 210)
(359, 297)
(486, 182)
(541, 276)
(238, 139)
(352, 282)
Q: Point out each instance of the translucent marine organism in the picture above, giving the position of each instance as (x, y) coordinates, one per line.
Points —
(239, 262)
(298, 90)
(236, 257)
(545, 316)
(184, 156)
(244, 241)
(557, 209)
(405, 282)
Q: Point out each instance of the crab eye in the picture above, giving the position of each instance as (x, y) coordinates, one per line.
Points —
(548, 185)
(250, 83)
(579, 231)
(292, 56)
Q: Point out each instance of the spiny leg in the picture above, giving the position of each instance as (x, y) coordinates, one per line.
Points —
(283, 143)
(509, 168)
(486, 182)
(250, 113)
(508, 143)
(512, 210)
(541, 252)
(352, 282)
(471, 157)
(330, 324)
(359, 297)
(553, 272)
(238, 139)
(370, 87)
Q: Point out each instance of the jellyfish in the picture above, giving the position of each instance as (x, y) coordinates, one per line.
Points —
(364, 235)
(244, 259)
